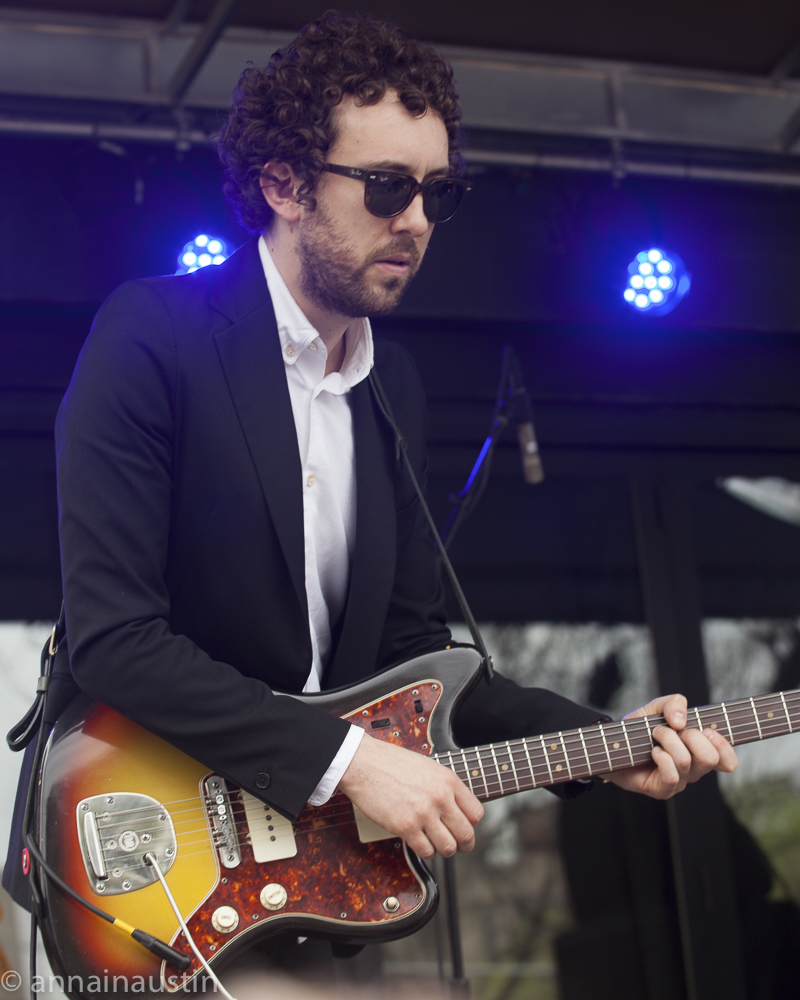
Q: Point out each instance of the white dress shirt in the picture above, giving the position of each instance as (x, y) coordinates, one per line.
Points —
(324, 424)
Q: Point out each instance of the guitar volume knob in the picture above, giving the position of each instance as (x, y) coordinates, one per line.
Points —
(225, 919)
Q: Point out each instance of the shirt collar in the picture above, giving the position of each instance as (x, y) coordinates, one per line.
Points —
(296, 332)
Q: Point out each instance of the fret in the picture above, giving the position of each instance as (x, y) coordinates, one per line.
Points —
(786, 710)
(566, 756)
(530, 762)
(476, 772)
(727, 723)
(547, 760)
(605, 744)
(513, 765)
(650, 738)
(466, 772)
(755, 714)
(585, 751)
(496, 767)
(699, 720)
(625, 733)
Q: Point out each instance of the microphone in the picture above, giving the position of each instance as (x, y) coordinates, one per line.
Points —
(520, 403)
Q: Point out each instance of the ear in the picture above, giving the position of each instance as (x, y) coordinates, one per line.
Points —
(278, 185)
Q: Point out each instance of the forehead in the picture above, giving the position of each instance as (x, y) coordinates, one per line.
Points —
(388, 134)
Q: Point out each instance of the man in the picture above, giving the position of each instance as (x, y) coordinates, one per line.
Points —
(232, 520)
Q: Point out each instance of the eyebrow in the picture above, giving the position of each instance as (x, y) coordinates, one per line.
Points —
(403, 168)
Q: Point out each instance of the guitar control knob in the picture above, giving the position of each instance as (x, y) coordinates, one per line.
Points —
(391, 904)
(273, 896)
(225, 919)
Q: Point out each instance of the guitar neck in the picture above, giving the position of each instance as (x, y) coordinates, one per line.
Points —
(504, 768)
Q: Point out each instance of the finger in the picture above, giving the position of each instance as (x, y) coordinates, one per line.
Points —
(420, 844)
(668, 779)
(468, 803)
(674, 746)
(459, 827)
(674, 710)
(441, 838)
(705, 756)
(728, 760)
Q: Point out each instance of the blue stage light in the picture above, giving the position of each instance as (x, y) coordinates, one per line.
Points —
(657, 281)
(202, 251)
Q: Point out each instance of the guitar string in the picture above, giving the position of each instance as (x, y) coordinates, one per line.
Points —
(210, 847)
(737, 711)
(238, 809)
(741, 706)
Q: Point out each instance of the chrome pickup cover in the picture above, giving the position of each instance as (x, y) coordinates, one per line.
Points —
(115, 831)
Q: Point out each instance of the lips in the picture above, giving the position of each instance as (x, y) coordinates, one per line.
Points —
(396, 264)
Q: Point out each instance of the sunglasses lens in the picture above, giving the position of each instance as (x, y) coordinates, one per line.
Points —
(388, 195)
(442, 198)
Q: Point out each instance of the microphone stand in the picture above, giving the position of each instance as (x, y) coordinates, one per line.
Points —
(463, 502)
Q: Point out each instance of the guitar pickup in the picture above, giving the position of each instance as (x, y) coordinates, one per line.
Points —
(381, 723)
(270, 835)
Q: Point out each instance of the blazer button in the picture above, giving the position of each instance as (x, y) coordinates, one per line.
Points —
(262, 780)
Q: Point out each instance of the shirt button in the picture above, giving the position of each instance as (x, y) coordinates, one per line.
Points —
(289, 351)
(312, 347)
(262, 780)
(311, 480)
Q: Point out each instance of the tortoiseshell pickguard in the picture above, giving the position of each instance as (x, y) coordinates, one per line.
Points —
(333, 878)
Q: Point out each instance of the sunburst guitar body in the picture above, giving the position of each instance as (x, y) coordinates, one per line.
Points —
(112, 792)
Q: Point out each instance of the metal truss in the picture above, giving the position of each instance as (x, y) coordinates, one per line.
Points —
(167, 81)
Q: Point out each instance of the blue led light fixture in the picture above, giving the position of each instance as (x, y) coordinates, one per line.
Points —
(657, 281)
(200, 252)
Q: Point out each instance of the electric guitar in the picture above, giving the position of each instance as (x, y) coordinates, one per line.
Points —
(111, 792)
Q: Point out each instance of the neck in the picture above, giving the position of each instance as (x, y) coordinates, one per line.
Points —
(331, 326)
(504, 768)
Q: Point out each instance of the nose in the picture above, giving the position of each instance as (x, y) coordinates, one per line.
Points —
(413, 220)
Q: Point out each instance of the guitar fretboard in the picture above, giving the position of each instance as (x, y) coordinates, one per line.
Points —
(500, 769)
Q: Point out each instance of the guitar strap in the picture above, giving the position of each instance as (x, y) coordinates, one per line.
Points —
(401, 449)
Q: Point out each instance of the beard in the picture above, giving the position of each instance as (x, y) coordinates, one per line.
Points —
(335, 279)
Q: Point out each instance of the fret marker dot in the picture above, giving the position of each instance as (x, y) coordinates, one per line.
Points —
(558, 767)
(474, 774)
(616, 746)
(505, 767)
(554, 746)
(713, 725)
(770, 715)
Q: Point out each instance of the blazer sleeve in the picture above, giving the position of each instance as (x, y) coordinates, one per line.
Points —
(115, 439)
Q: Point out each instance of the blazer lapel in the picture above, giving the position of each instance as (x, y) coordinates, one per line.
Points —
(249, 351)
(372, 574)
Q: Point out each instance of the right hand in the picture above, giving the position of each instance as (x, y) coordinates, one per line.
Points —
(413, 797)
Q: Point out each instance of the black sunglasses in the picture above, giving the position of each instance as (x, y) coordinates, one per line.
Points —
(387, 194)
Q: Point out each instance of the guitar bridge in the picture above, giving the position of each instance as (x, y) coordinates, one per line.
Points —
(115, 832)
(222, 820)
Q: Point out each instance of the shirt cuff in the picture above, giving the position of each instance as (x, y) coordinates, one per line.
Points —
(331, 778)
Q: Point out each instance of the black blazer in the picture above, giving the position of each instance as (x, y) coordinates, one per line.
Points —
(181, 527)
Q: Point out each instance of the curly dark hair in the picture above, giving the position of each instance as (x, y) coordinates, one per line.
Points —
(284, 111)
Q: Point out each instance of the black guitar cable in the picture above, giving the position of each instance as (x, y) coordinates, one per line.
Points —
(158, 947)
(37, 717)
